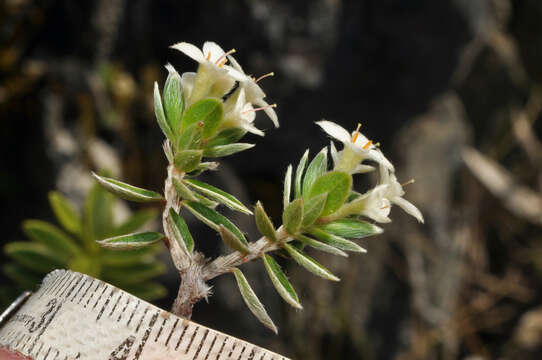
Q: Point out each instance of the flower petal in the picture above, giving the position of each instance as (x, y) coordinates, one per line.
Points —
(252, 129)
(210, 47)
(187, 83)
(236, 65)
(333, 152)
(269, 111)
(334, 130)
(377, 156)
(408, 207)
(190, 50)
(362, 169)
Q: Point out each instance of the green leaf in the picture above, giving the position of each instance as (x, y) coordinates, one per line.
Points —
(204, 201)
(183, 192)
(191, 137)
(133, 274)
(148, 291)
(225, 137)
(50, 236)
(351, 228)
(131, 241)
(22, 275)
(252, 300)
(208, 111)
(127, 191)
(337, 185)
(180, 229)
(320, 245)
(65, 212)
(232, 241)
(309, 263)
(264, 223)
(173, 99)
(98, 216)
(218, 195)
(299, 173)
(160, 115)
(226, 150)
(336, 241)
(136, 221)
(36, 257)
(280, 281)
(86, 264)
(353, 196)
(166, 146)
(293, 216)
(213, 219)
(313, 208)
(287, 187)
(317, 168)
(187, 160)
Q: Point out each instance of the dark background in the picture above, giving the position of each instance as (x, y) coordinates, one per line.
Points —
(427, 79)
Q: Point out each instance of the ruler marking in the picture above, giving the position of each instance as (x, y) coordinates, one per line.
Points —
(201, 343)
(66, 278)
(67, 285)
(181, 337)
(252, 354)
(191, 340)
(211, 347)
(172, 329)
(221, 348)
(99, 297)
(46, 290)
(85, 293)
(47, 354)
(53, 290)
(146, 335)
(57, 353)
(20, 338)
(92, 295)
(131, 316)
(160, 330)
(242, 351)
(105, 304)
(232, 349)
(123, 309)
(115, 306)
(74, 286)
(143, 317)
(55, 283)
(80, 287)
(39, 350)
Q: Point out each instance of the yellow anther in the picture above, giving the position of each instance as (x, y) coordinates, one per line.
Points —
(356, 133)
(384, 207)
(208, 57)
(411, 181)
(222, 60)
(260, 108)
(366, 146)
(264, 76)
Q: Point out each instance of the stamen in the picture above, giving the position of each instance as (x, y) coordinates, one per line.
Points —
(384, 207)
(222, 60)
(411, 181)
(356, 133)
(366, 146)
(260, 108)
(264, 76)
(208, 57)
(377, 144)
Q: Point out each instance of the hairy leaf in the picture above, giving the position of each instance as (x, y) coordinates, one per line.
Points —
(320, 245)
(183, 191)
(131, 241)
(337, 185)
(351, 228)
(313, 208)
(191, 137)
(127, 191)
(65, 212)
(299, 173)
(252, 300)
(226, 150)
(309, 263)
(208, 111)
(316, 168)
(173, 99)
(287, 187)
(264, 223)
(232, 241)
(280, 281)
(160, 114)
(336, 241)
(218, 195)
(225, 137)
(180, 229)
(213, 219)
(187, 160)
(293, 216)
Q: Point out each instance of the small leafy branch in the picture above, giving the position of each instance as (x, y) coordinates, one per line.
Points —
(72, 246)
(203, 116)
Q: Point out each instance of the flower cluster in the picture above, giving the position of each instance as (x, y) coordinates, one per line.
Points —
(375, 203)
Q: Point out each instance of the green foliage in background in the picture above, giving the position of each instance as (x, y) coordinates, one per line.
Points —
(72, 246)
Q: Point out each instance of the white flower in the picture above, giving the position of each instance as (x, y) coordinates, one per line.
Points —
(376, 203)
(253, 92)
(214, 78)
(357, 148)
(242, 115)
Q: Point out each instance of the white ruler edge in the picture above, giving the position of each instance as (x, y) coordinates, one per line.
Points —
(74, 316)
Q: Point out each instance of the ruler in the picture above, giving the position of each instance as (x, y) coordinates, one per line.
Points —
(75, 316)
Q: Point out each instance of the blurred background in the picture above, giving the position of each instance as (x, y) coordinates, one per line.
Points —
(451, 89)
